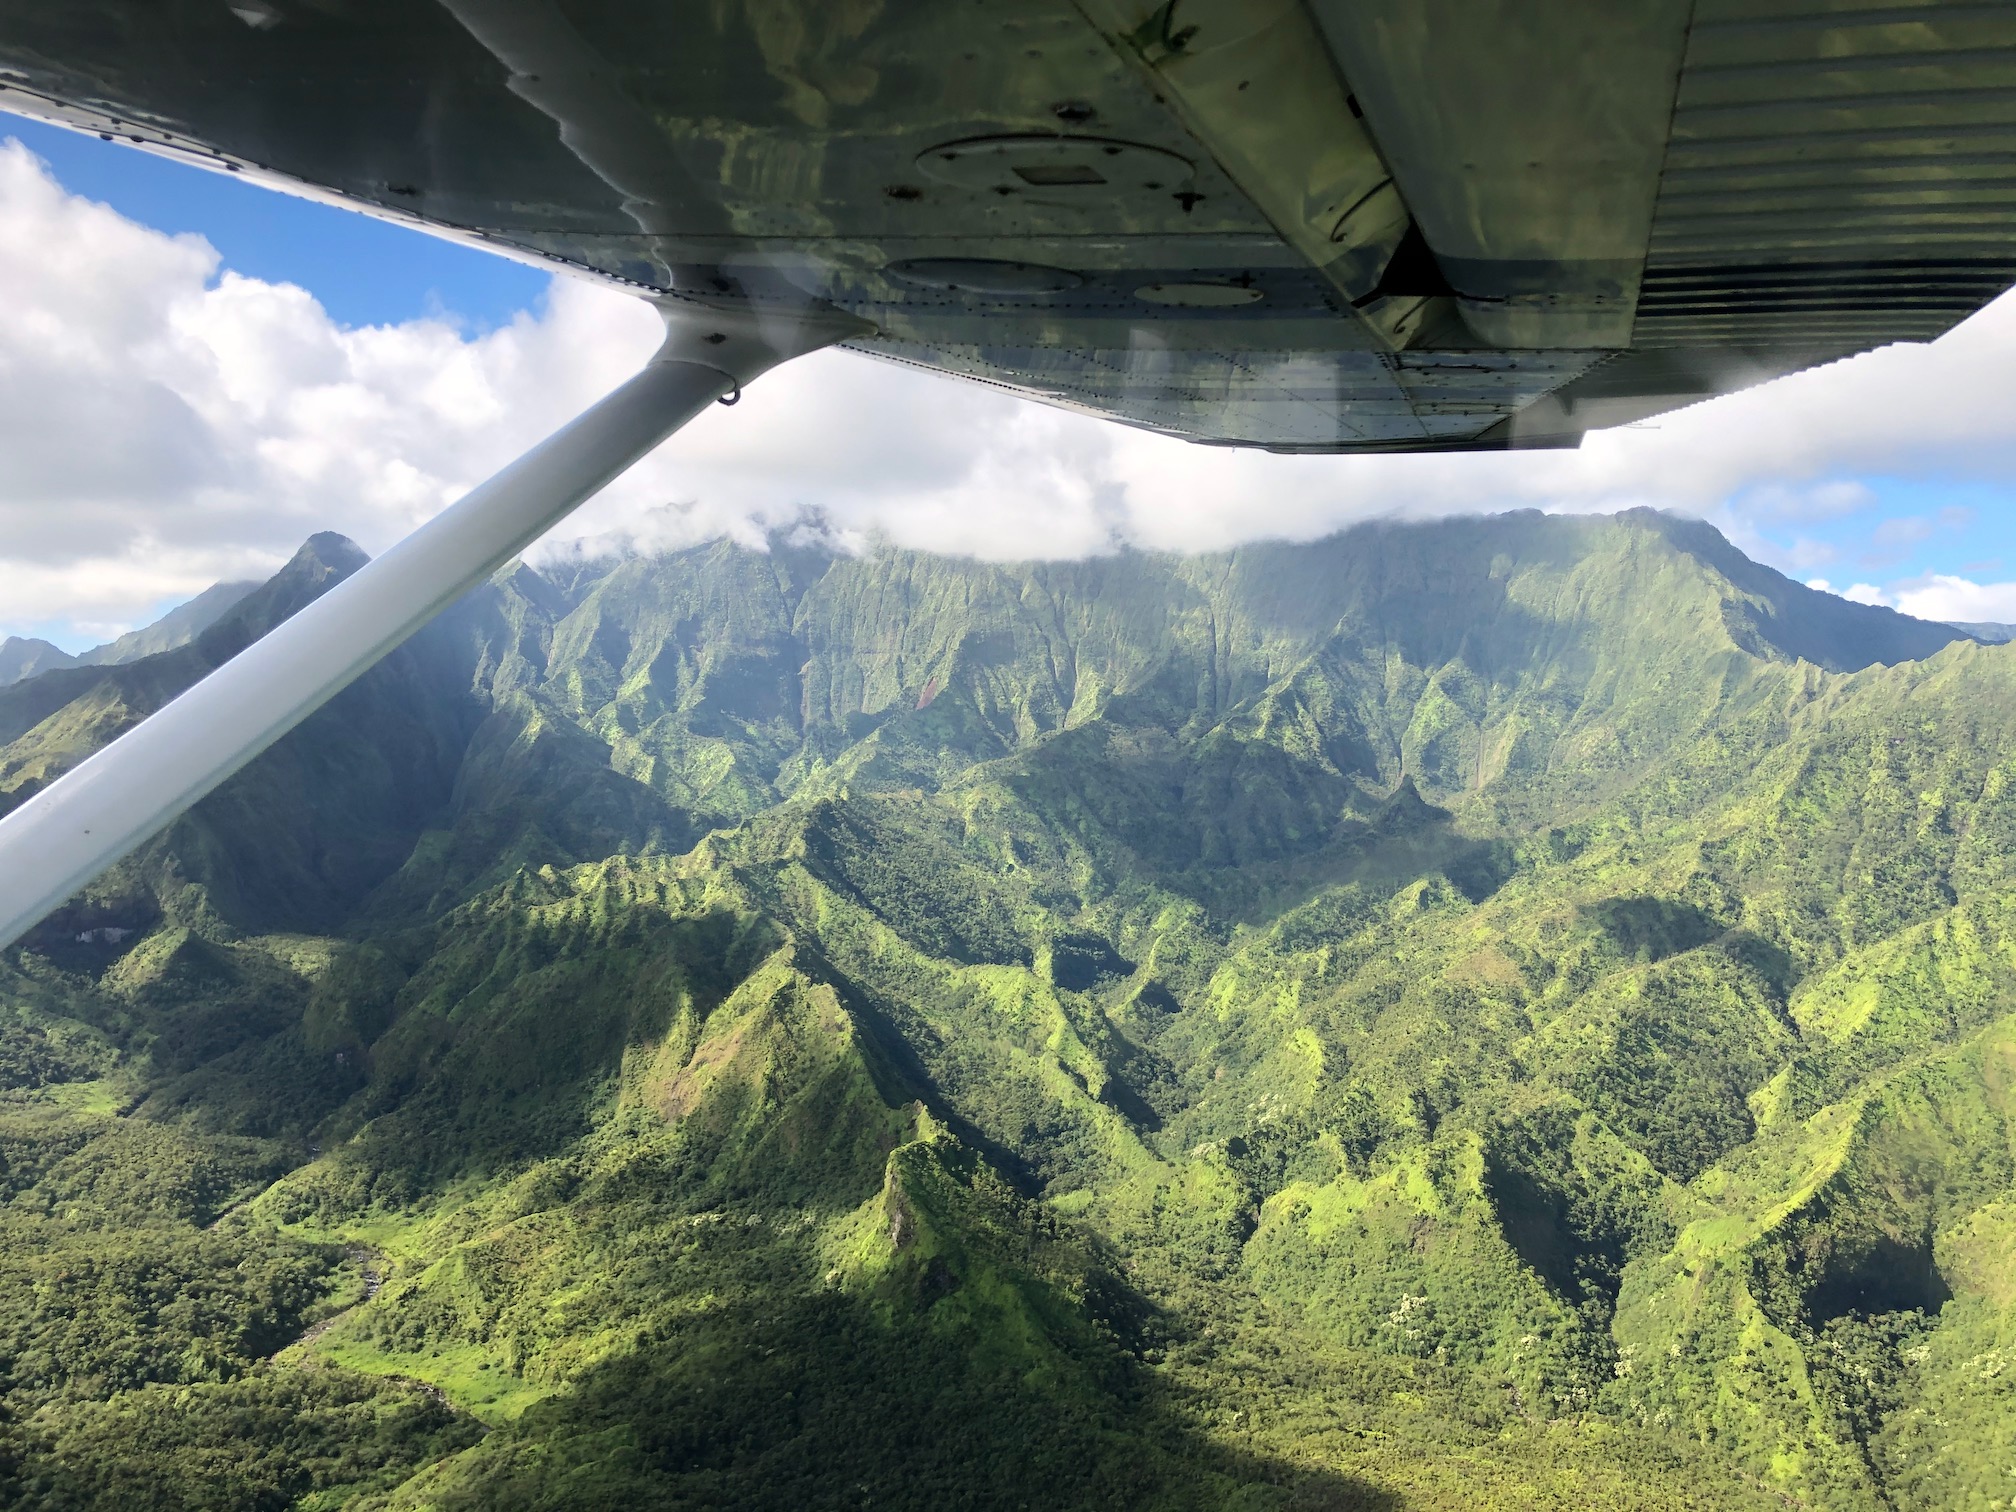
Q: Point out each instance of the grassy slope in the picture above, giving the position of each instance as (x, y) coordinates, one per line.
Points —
(1454, 1016)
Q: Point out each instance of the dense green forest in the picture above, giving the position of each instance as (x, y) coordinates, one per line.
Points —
(1507, 1013)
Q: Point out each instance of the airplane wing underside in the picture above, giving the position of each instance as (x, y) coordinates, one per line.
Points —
(1323, 225)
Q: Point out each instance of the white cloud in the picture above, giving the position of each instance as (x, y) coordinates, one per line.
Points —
(1864, 593)
(1805, 553)
(1939, 597)
(1804, 503)
(166, 424)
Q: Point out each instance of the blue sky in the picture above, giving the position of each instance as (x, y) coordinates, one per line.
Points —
(364, 271)
(198, 372)
(1906, 528)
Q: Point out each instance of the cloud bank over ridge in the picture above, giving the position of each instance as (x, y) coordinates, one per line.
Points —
(168, 423)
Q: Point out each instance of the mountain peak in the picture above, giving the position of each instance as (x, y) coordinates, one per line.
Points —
(323, 561)
(23, 656)
(329, 550)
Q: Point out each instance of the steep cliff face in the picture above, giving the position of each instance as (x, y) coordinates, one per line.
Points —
(1511, 1012)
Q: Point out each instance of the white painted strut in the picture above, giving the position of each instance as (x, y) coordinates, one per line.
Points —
(80, 824)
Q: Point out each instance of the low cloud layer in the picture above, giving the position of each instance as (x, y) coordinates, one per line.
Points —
(167, 423)
(1937, 596)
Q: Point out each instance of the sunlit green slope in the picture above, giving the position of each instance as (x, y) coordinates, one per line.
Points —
(1504, 1013)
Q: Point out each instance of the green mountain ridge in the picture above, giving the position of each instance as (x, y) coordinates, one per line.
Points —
(25, 656)
(1511, 1012)
(1987, 630)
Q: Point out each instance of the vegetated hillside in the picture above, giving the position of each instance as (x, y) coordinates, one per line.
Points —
(177, 627)
(1504, 1013)
(22, 656)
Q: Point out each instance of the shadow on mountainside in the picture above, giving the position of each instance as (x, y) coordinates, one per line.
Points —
(899, 1400)
(1251, 831)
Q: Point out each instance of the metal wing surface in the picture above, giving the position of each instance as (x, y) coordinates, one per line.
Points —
(1318, 225)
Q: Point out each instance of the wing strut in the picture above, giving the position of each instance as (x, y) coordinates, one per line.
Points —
(134, 788)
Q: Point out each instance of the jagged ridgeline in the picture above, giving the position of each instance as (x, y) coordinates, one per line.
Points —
(1510, 1013)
